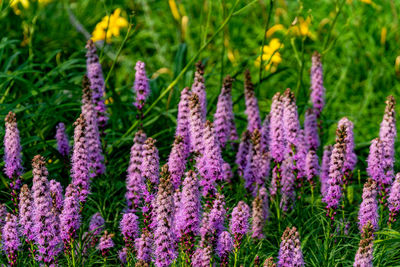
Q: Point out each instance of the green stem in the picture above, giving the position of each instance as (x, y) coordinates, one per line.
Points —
(271, 2)
(72, 253)
(236, 257)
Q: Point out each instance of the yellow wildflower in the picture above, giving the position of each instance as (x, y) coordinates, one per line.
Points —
(174, 10)
(271, 55)
(367, 1)
(50, 160)
(275, 28)
(383, 35)
(109, 26)
(397, 66)
(301, 27)
(15, 4)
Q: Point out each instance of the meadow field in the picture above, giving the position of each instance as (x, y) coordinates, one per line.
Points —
(180, 143)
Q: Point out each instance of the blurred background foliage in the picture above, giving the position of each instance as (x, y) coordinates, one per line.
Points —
(42, 61)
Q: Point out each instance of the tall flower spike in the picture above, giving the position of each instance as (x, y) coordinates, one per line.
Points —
(334, 192)
(277, 134)
(260, 213)
(239, 224)
(213, 222)
(196, 124)
(105, 243)
(141, 85)
(46, 236)
(244, 149)
(364, 255)
(224, 118)
(255, 163)
(265, 129)
(288, 185)
(10, 238)
(199, 89)
(150, 163)
(351, 157)
(374, 169)
(387, 135)
(224, 247)
(165, 251)
(291, 121)
(368, 212)
(79, 160)
(62, 140)
(129, 227)
(317, 86)
(26, 213)
(394, 199)
(3, 214)
(312, 166)
(70, 218)
(177, 161)
(210, 164)
(134, 179)
(189, 210)
(96, 227)
(311, 129)
(252, 112)
(12, 152)
(95, 74)
(92, 135)
(202, 257)
(290, 253)
(57, 197)
(182, 121)
(326, 158)
(143, 247)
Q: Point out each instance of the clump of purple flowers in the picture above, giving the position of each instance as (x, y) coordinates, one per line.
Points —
(239, 224)
(252, 112)
(10, 239)
(364, 255)
(141, 86)
(62, 140)
(369, 207)
(290, 253)
(317, 86)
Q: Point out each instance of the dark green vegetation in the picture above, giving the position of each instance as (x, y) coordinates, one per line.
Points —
(42, 63)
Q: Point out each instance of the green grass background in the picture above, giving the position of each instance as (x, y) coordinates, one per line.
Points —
(40, 81)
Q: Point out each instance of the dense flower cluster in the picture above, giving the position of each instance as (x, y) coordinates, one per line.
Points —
(62, 140)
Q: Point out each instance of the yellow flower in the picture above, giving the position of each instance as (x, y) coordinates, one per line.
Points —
(301, 27)
(383, 35)
(367, 1)
(109, 26)
(271, 55)
(174, 10)
(397, 66)
(275, 28)
(15, 4)
(50, 160)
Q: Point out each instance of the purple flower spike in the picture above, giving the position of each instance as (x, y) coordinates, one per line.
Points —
(317, 86)
(374, 169)
(260, 214)
(122, 255)
(387, 135)
(165, 251)
(351, 157)
(244, 150)
(290, 253)
(105, 243)
(62, 140)
(12, 151)
(288, 185)
(265, 130)
(144, 246)
(70, 218)
(239, 224)
(188, 223)
(134, 179)
(3, 214)
(224, 118)
(210, 164)
(312, 166)
(311, 130)
(97, 86)
(277, 132)
(79, 160)
(364, 256)
(129, 227)
(26, 213)
(57, 196)
(182, 121)
(196, 124)
(10, 239)
(394, 199)
(224, 247)
(334, 192)
(290, 121)
(252, 112)
(212, 223)
(202, 257)
(199, 89)
(255, 163)
(92, 135)
(141, 85)
(177, 161)
(46, 235)
(150, 163)
(326, 158)
(369, 207)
